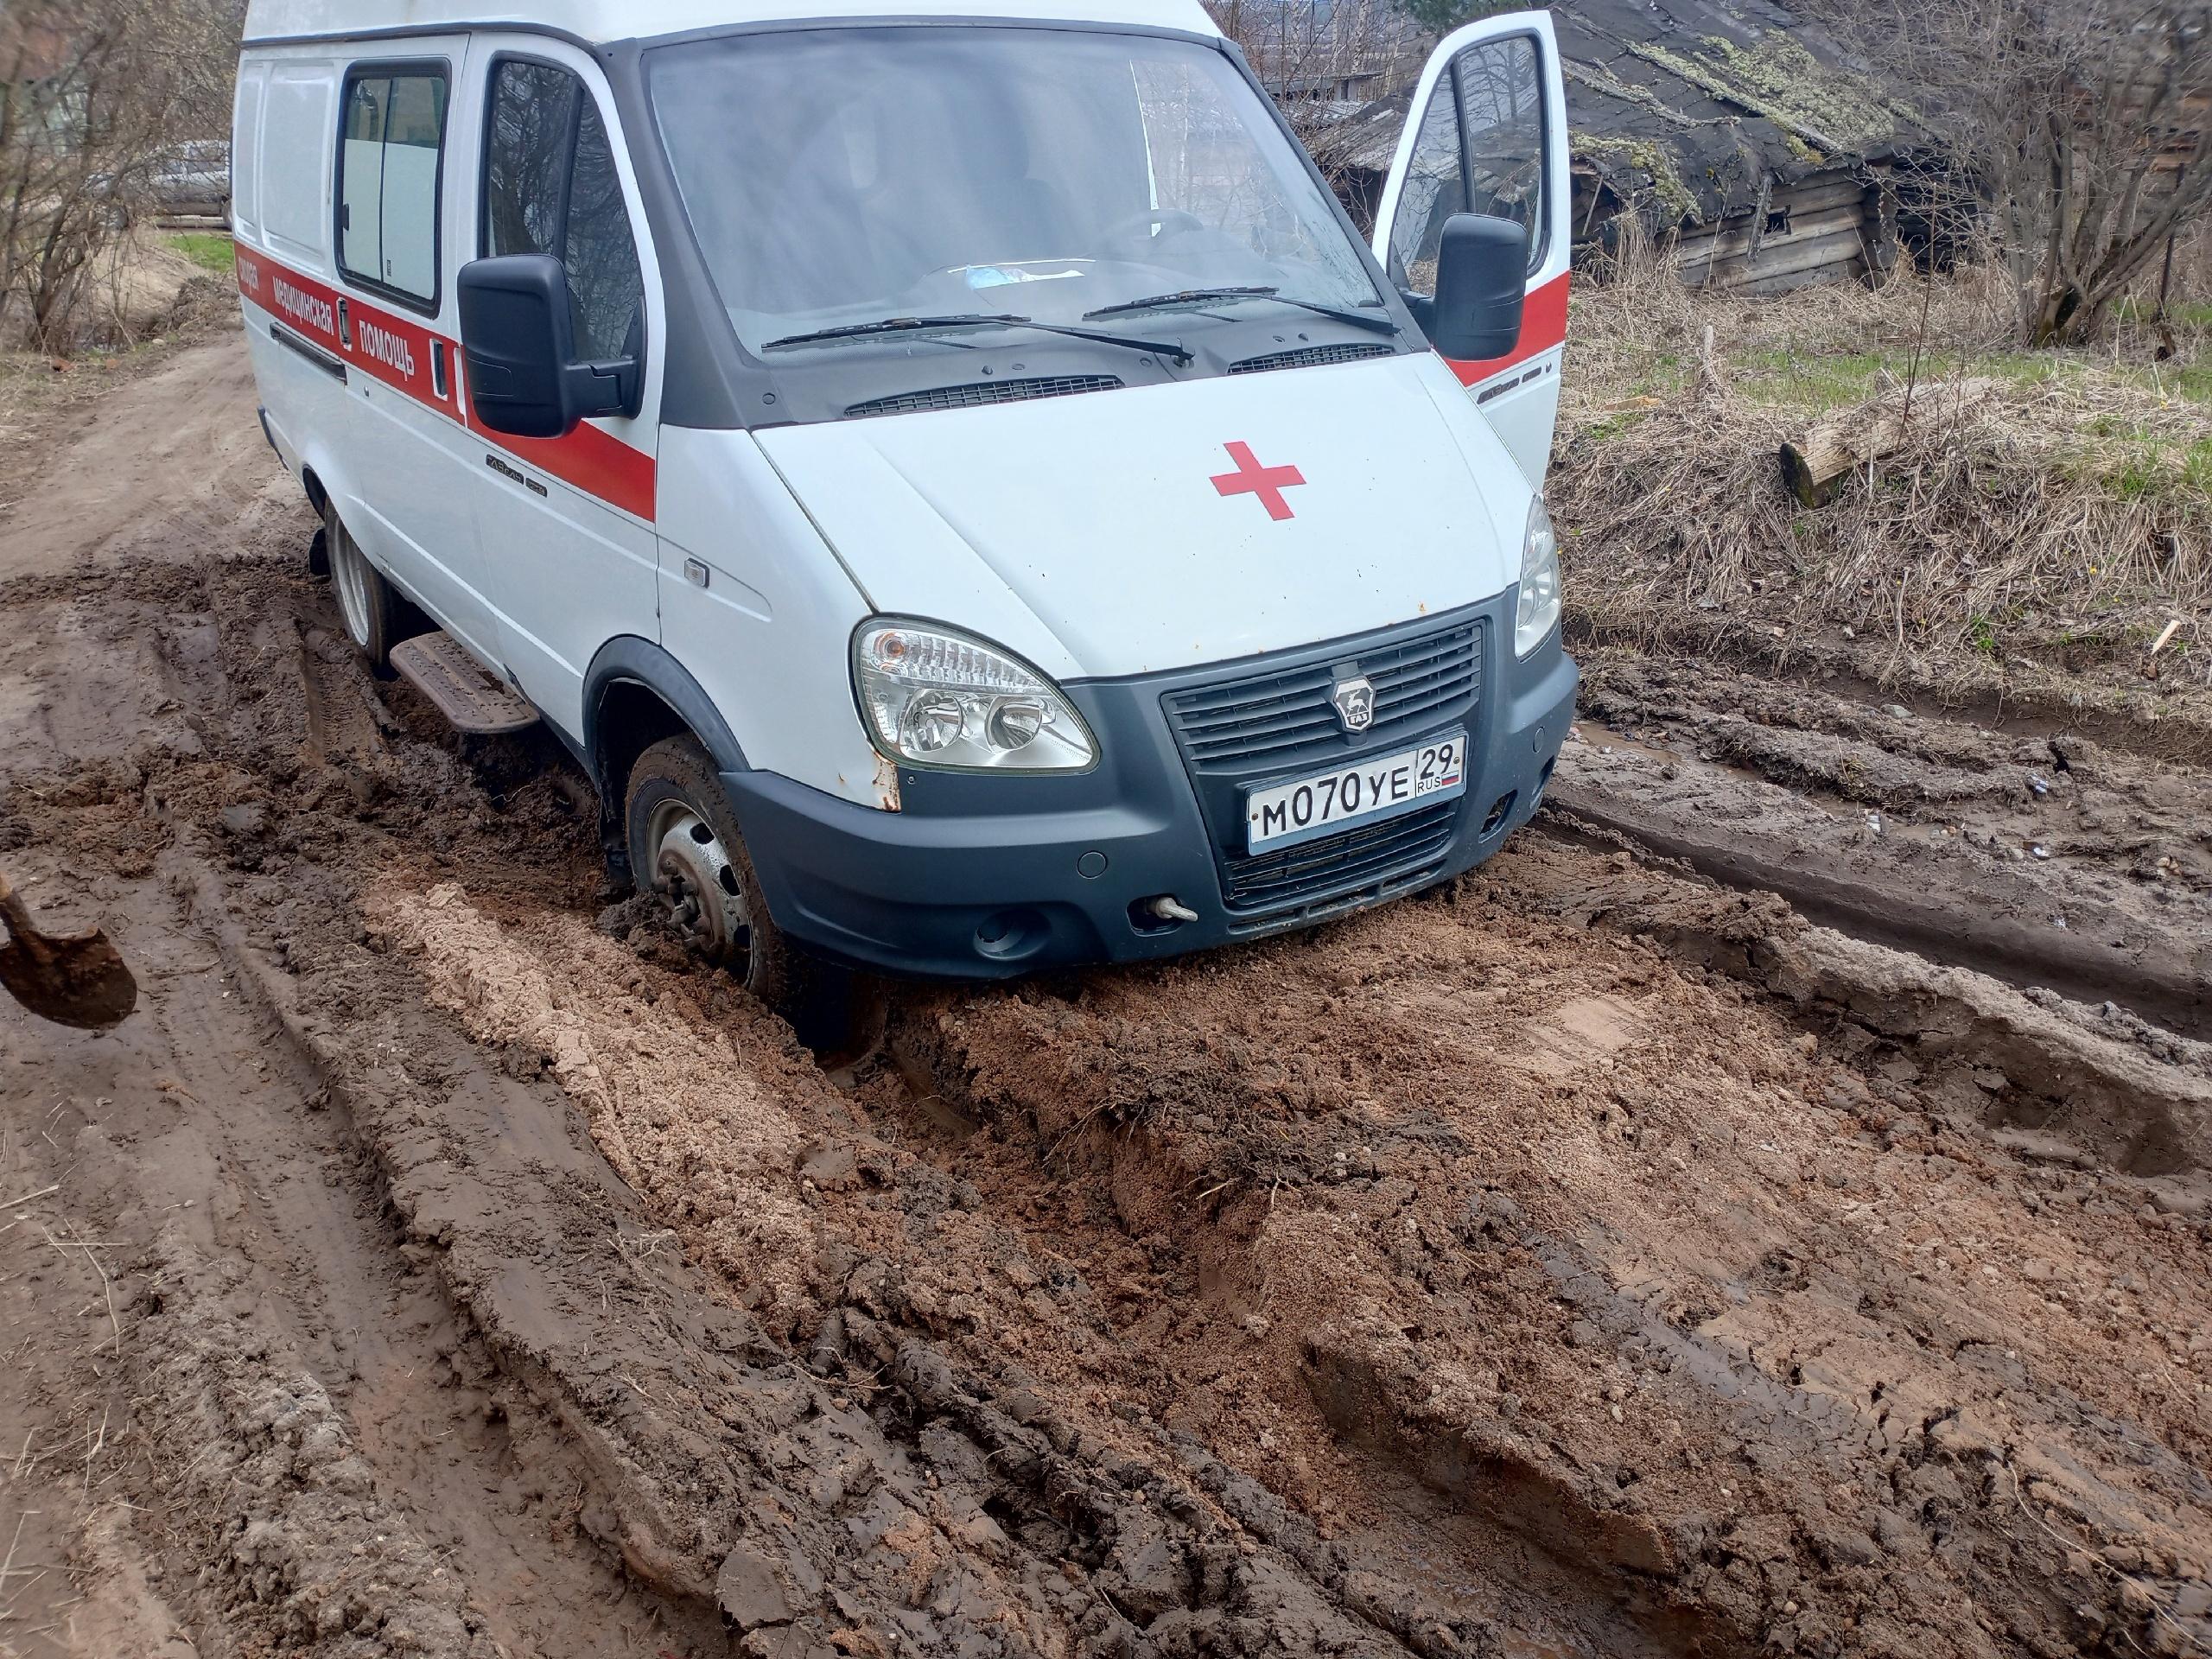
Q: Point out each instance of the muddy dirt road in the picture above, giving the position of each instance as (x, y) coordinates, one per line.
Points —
(1601, 1257)
(164, 463)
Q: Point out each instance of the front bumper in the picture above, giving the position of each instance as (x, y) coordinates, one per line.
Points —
(989, 877)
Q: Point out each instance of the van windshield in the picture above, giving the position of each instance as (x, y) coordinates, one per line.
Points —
(840, 177)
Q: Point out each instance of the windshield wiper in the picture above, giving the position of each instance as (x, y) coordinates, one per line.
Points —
(1199, 296)
(1169, 349)
(887, 325)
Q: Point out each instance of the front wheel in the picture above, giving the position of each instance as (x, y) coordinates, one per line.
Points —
(684, 844)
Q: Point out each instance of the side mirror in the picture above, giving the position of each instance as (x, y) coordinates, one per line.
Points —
(519, 337)
(1482, 283)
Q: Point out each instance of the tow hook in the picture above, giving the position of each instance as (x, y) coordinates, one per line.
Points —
(1168, 908)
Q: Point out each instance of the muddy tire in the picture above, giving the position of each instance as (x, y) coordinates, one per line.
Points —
(684, 844)
(365, 599)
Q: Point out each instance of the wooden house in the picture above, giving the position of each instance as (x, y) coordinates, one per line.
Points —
(1752, 148)
(1748, 142)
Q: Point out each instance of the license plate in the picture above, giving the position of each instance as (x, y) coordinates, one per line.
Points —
(1366, 793)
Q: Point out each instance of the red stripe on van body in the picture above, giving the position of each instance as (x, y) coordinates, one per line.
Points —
(396, 352)
(597, 463)
(1544, 325)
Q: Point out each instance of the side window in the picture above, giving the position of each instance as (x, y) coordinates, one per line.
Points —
(391, 149)
(1480, 150)
(551, 186)
(1501, 113)
(606, 287)
(361, 180)
(1436, 188)
(526, 157)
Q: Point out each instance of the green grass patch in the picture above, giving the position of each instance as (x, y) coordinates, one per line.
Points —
(2196, 468)
(1791, 380)
(1612, 425)
(2181, 314)
(2144, 467)
(2192, 382)
(2140, 476)
(210, 251)
(1782, 379)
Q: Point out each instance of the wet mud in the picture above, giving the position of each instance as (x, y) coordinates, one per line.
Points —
(1594, 1257)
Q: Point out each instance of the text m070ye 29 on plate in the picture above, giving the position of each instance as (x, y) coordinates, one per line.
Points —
(1347, 797)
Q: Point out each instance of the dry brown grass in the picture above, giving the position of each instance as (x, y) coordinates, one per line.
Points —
(2064, 520)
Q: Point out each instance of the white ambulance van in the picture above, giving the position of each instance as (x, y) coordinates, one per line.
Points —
(952, 472)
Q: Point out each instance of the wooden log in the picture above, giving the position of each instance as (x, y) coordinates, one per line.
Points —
(1807, 198)
(1766, 288)
(1838, 248)
(1812, 195)
(1799, 205)
(1814, 467)
(1804, 228)
(1737, 239)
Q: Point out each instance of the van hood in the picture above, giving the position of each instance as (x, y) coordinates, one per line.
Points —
(1123, 532)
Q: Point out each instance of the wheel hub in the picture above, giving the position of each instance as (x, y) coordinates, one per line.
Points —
(692, 867)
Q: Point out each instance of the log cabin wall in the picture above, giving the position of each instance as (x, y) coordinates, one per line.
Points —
(1827, 227)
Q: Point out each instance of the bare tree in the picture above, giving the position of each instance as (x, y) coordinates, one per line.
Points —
(92, 92)
(2081, 123)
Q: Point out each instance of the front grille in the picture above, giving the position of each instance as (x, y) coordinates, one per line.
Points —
(1375, 854)
(987, 392)
(1274, 720)
(1270, 725)
(1310, 357)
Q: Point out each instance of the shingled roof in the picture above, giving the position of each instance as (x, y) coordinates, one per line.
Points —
(1698, 108)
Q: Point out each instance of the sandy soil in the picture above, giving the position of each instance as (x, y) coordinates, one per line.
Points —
(1601, 1257)
(173, 458)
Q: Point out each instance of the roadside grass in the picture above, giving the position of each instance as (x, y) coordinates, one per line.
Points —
(2063, 519)
(2184, 314)
(1783, 380)
(210, 251)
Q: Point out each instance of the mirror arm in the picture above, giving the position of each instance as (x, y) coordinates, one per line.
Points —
(612, 386)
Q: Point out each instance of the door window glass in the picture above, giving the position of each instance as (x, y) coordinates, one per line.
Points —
(1435, 189)
(1501, 112)
(1480, 150)
(388, 176)
(360, 188)
(551, 186)
(526, 158)
(606, 290)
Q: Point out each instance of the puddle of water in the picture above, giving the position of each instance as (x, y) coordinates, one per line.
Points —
(1598, 738)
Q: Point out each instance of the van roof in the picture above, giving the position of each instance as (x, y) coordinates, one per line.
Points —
(599, 22)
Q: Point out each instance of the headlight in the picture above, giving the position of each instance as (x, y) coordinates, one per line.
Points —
(1539, 582)
(932, 697)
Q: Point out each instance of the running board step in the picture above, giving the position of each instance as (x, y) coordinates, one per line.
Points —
(440, 667)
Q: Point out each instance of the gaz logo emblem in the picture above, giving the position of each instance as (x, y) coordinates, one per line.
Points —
(1355, 701)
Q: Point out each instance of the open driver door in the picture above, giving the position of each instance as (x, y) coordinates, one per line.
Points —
(1487, 134)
